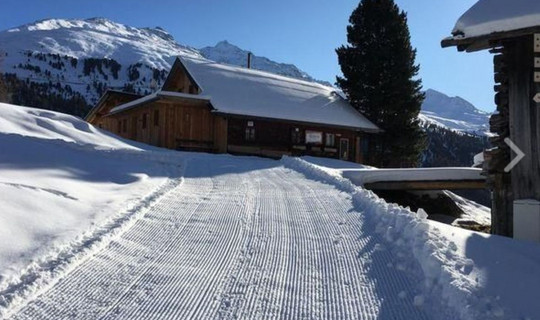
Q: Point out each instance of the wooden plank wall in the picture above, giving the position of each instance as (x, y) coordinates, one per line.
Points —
(168, 124)
(274, 138)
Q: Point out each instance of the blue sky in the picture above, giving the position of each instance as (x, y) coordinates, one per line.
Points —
(301, 32)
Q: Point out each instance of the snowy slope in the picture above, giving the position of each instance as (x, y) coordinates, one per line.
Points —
(453, 113)
(95, 37)
(64, 183)
(60, 52)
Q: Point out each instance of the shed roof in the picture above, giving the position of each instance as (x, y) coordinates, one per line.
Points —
(490, 20)
(159, 95)
(247, 92)
(107, 95)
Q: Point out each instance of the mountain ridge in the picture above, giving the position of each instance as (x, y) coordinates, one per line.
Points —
(63, 63)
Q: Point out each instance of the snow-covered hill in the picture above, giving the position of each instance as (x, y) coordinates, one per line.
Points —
(453, 113)
(65, 187)
(89, 56)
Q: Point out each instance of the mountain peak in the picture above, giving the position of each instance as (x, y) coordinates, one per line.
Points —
(454, 112)
(228, 53)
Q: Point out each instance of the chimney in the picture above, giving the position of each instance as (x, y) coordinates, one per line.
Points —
(249, 60)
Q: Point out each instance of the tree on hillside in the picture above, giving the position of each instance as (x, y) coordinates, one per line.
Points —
(380, 78)
(3, 87)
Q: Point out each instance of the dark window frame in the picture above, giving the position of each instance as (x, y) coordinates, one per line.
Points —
(144, 120)
(249, 134)
(330, 137)
(156, 118)
(297, 136)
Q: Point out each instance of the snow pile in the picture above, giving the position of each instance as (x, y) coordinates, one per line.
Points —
(489, 16)
(67, 188)
(456, 276)
(472, 211)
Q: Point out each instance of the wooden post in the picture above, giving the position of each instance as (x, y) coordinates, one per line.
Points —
(517, 73)
(524, 84)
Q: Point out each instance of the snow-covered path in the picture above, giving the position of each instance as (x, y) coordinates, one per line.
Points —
(239, 238)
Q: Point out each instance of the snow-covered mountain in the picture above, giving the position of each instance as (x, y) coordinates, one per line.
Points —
(69, 57)
(227, 53)
(453, 113)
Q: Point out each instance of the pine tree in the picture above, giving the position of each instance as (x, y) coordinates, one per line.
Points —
(3, 87)
(380, 78)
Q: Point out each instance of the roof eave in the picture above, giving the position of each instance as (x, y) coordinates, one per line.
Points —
(361, 129)
(487, 41)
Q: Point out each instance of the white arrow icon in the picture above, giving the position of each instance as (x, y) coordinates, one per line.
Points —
(520, 155)
(537, 98)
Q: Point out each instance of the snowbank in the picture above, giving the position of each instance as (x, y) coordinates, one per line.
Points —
(66, 187)
(477, 276)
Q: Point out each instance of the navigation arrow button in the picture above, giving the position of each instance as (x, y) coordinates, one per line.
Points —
(517, 159)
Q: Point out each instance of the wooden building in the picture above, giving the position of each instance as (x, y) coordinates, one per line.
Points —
(511, 32)
(206, 106)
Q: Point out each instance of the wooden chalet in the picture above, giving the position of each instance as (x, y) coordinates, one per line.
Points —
(511, 31)
(211, 107)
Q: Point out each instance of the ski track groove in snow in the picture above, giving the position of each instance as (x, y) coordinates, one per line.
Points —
(239, 238)
(48, 271)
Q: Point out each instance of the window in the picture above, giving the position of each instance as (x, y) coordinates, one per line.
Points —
(250, 134)
(119, 126)
(330, 140)
(156, 118)
(144, 120)
(124, 125)
(296, 136)
(192, 89)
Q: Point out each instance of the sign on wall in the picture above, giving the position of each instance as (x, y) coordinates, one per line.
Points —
(313, 136)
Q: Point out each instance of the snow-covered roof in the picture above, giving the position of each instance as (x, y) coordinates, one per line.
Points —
(489, 17)
(247, 92)
(157, 96)
(99, 105)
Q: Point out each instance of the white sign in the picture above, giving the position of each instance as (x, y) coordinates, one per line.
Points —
(313, 137)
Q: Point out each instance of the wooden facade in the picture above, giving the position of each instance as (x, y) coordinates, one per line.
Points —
(186, 125)
(108, 101)
(179, 118)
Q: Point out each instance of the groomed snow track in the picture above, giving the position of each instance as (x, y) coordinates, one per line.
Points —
(240, 238)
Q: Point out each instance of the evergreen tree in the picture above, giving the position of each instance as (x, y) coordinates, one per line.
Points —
(3, 87)
(380, 78)
(3, 90)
